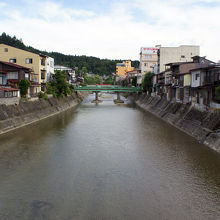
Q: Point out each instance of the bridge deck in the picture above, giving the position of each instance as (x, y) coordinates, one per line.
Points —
(108, 89)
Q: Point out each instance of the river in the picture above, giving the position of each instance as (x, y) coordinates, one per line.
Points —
(106, 162)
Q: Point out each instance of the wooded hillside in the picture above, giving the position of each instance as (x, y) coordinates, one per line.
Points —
(93, 64)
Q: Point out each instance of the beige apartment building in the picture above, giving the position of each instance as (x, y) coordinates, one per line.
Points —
(35, 62)
(183, 53)
(148, 59)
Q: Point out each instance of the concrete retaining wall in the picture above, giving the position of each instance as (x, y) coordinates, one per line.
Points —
(203, 125)
(15, 116)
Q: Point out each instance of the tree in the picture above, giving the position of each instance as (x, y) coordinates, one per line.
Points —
(147, 82)
(62, 87)
(134, 81)
(85, 63)
(217, 93)
(23, 85)
(58, 86)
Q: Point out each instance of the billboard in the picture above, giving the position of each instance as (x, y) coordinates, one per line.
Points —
(149, 50)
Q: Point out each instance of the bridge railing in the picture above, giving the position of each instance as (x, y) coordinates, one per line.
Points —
(113, 88)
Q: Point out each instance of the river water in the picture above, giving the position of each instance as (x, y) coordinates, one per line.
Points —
(108, 162)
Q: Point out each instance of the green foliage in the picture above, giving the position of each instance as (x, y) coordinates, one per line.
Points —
(109, 80)
(92, 64)
(49, 88)
(84, 71)
(147, 82)
(124, 82)
(217, 93)
(92, 80)
(134, 81)
(23, 85)
(59, 85)
(42, 95)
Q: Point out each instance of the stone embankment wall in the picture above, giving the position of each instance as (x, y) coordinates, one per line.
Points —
(15, 116)
(202, 125)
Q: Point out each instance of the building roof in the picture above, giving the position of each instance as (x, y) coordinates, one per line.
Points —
(207, 67)
(177, 63)
(8, 89)
(15, 65)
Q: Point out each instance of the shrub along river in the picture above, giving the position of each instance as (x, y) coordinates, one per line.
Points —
(106, 161)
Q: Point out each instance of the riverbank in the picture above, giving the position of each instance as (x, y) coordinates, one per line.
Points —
(202, 125)
(16, 116)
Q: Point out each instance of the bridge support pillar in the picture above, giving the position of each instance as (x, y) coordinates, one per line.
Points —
(118, 100)
(96, 98)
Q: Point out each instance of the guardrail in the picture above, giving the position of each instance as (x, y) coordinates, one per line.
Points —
(99, 88)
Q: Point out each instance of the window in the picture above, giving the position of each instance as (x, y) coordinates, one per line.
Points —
(12, 60)
(145, 64)
(29, 60)
(1, 80)
(12, 75)
(6, 49)
(51, 64)
(196, 76)
(26, 75)
(182, 56)
(43, 62)
(15, 93)
(148, 56)
(42, 75)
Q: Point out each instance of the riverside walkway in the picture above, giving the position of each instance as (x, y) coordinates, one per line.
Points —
(108, 88)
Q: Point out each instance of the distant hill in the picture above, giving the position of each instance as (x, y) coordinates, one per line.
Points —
(93, 64)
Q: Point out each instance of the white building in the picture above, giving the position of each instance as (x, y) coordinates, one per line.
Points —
(49, 67)
(148, 59)
(182, 53)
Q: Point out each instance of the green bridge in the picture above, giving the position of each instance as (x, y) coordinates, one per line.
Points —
(108, 88)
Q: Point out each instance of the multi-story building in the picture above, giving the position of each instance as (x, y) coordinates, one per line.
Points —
(36, 62)
(204, 82)
(148, 59)
(10, 76)
(178, 80)
(123, 68)
(182, 53)
(49, 67)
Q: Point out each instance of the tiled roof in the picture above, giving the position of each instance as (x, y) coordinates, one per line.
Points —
(8, 89)
(14, 65)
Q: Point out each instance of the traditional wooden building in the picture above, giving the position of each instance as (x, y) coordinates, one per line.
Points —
(11, 74)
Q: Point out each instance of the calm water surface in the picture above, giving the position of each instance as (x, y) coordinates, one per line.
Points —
(106, 161)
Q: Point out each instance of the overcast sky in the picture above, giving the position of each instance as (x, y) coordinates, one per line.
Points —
(113, 29)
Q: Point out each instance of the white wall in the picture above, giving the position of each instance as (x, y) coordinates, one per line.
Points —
(195, 82)
(177, 54)
(49, 67)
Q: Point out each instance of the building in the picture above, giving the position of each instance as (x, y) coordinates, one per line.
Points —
(148, 59)
(49, 68)
(123, 68)
(10, 76)
(182, 53)
(204, 82)
(178, 78)
(36, 62)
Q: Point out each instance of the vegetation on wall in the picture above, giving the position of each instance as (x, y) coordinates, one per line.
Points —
(92, 64)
